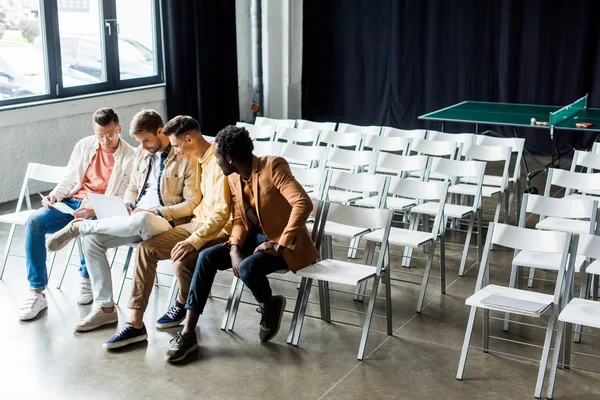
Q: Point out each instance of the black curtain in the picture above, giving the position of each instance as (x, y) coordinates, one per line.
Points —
(386, 62)
(201, 61)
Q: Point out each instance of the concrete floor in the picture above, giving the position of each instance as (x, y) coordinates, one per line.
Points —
(46, 359)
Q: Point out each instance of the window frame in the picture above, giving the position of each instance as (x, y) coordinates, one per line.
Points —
(49, 27)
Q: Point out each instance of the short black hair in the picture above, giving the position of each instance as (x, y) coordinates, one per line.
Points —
(104, 116)
(235, 142)
(181, 125)
(146, 121)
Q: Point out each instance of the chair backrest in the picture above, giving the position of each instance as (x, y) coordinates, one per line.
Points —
(338, 139)
(461, 139)
(560, 207)
(589, 246)
(595, 148)
(359, 183)
(352, 160)
(279, 123)
(571, 181)
(41, 173)
(320, 126)
(388, 163)
(589, 161)
(389, 144)
(367, 130)
(456, 169)
(310, 156)
(313, 180)
(258, 132)
(262, 149)
(490, 154)
(434, 148)
(295, 135)
(517, 146)
(407, 133)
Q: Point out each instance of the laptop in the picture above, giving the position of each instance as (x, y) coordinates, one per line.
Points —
(107, 206)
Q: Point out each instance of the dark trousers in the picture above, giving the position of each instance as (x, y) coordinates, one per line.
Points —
(253, 271)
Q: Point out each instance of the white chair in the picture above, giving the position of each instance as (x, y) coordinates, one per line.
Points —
(350, 160)
(434, 149)
(412, 237)
(523, 302)
(461, 139)
(488, 154)
(279, 123)
(313, 180)
(399, 166)
(36, 172)
(569, 215)
(307, 156)
(338, 139)
(456, 170)
(578, 311)
(257, 132)
(328, 270)
(517, 146)
(406, 133)
(367, 130)
(320, 126)
(396, 145)
(237, 286)
(262, 149)
(298, 136)
(588, 161)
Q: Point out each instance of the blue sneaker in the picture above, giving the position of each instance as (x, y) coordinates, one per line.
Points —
(173, 317)
(126, 336)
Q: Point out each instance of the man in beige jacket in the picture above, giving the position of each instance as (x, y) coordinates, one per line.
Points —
(161, 194)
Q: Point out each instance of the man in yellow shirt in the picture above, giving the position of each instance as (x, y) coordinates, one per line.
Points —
(210, 225)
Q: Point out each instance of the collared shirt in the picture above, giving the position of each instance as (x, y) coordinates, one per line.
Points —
(149, 199)
(161, 158)
(215, 207)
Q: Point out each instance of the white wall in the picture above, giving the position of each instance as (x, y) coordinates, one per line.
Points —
(47, 133)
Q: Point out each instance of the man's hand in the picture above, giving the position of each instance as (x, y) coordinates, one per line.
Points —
(271, 248)
(181, 250)
(129, 209)
(236, 258)
(84, 213)
(139, 210)
(48, 201)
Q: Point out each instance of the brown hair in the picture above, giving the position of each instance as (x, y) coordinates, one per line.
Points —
(145, 121)
(181, 125)
(104, 116)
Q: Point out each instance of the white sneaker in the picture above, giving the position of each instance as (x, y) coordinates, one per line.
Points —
(85, 291)
(35, 303)
(96, 319)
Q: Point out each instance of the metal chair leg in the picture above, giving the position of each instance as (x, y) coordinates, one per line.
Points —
(465, 348)
(9, 240)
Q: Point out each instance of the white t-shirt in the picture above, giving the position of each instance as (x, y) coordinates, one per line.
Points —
(150, 201)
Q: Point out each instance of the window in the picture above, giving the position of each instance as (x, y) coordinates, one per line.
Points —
(56, 49)
(73, 5)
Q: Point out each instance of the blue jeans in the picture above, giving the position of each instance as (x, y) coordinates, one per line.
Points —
(253, 271)
(41, 222)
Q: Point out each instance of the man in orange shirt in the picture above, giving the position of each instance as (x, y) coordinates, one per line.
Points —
(270, 209)
(100, 163)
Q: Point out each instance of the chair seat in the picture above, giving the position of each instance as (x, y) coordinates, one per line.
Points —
(401, 237)
(16, 218)
(341, 196)
(392, 203)
(335, 229)
(475, 300)
(549, 261)
(593, 268)
(486, 191)
(338, 272)
(450, 210)
(564, 225)
(581, 312)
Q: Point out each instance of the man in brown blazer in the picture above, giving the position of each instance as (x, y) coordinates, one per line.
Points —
(270, 209)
